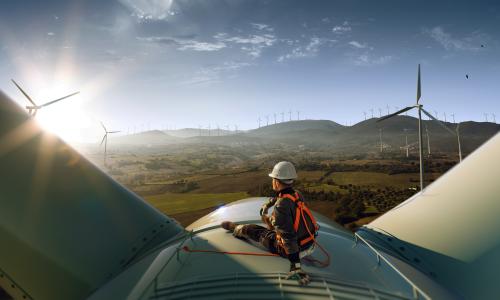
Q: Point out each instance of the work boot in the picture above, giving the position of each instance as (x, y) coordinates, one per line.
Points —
(228, 225)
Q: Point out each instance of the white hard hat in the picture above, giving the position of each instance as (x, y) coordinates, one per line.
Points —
(284, 171)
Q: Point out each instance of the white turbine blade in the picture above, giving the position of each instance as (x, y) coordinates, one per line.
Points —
(104, 127)
(103, 138)
(419, 92)
(24, 93)
(439, 122)
(54, 101)
(114, 131)
(396, 113)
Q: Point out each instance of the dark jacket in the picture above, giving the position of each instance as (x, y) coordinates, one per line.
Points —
(283, 220)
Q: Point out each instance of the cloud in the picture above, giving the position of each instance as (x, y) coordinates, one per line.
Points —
(264, 27)
(184, 45)
(145, 10)
(358, 45)
(209, 75)
(50, 34)
(445, 39)
(341, 29)
(367, 59)
(253, 44)
(309, 50)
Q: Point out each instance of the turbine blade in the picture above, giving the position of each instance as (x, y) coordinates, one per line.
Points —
(396, 113)
(103, 138)
(419, 92)
(54, 101)
(439, 122)
(104, 127)
(24, 93)
(114, 131)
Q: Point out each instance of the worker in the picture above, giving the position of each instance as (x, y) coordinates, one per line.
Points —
(291, 230)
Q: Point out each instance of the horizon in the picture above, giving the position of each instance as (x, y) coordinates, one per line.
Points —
(181, 64)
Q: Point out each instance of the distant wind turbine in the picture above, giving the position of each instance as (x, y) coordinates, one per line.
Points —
(428, 141)
(459, 146)
(105, 140)
(453, 118)
(290, 115)
(282, 117)
(298, 115)
(420, 109)
(267, 120)
(364, 114)
(387, 109)
(380, 112)
(486, 116)
(275, 119)
(259, 121)
(494, 118)
(371, 109)
(33, 109)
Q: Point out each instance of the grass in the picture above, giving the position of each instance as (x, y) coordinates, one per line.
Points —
(175, 203)
(374, 179)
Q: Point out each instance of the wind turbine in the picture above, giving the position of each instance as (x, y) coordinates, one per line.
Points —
(33, 109)
(274, 118)
(371, 109)
(428, 141)
(494, 118)
(298, 115)
(380, 134)
(364, 114)
(387, 109)
(486, 116)
(267, 120)
(459, 146)
(290, 115)
(282, 117)
(407, 147)
(259, 121)
(105, 140)
(420, 110)
(453, 117)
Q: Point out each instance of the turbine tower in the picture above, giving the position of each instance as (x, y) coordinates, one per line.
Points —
(33, 109)
(459, 146)
(290, 115)
(371, 109)
(420, 108)
(105, 141)
(428, 141)
(282, 117)
(453, 118)
(267, 120)
(407, 147)
(364, 114)
(298, 115)
(486, 116)
(274, 118)
(494, 118)
(259, 121)
(387, 109)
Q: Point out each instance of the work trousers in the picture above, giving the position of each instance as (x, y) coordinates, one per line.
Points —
(265, 237)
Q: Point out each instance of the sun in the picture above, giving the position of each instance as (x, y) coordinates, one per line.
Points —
(67, 118)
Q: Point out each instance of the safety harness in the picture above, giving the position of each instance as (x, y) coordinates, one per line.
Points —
(301, 211)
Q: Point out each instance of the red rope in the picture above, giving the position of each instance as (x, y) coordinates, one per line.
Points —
(312, 260)
(186, 248)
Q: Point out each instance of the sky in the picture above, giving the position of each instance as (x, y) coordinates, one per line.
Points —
(156, 64)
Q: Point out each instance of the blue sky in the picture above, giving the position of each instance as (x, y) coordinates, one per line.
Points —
(171, 63)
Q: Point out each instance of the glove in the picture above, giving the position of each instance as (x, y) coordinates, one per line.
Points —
(296, 273)
(264, 209)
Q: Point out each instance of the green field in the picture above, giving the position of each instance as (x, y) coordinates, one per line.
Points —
(174, 203)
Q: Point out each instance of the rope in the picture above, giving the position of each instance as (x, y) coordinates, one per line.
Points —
(186, 248)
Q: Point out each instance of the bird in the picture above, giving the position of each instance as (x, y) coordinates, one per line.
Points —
(482, 46)
(467, 76)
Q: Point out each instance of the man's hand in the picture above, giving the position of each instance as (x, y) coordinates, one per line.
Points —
(264, 209)
(296, 273)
